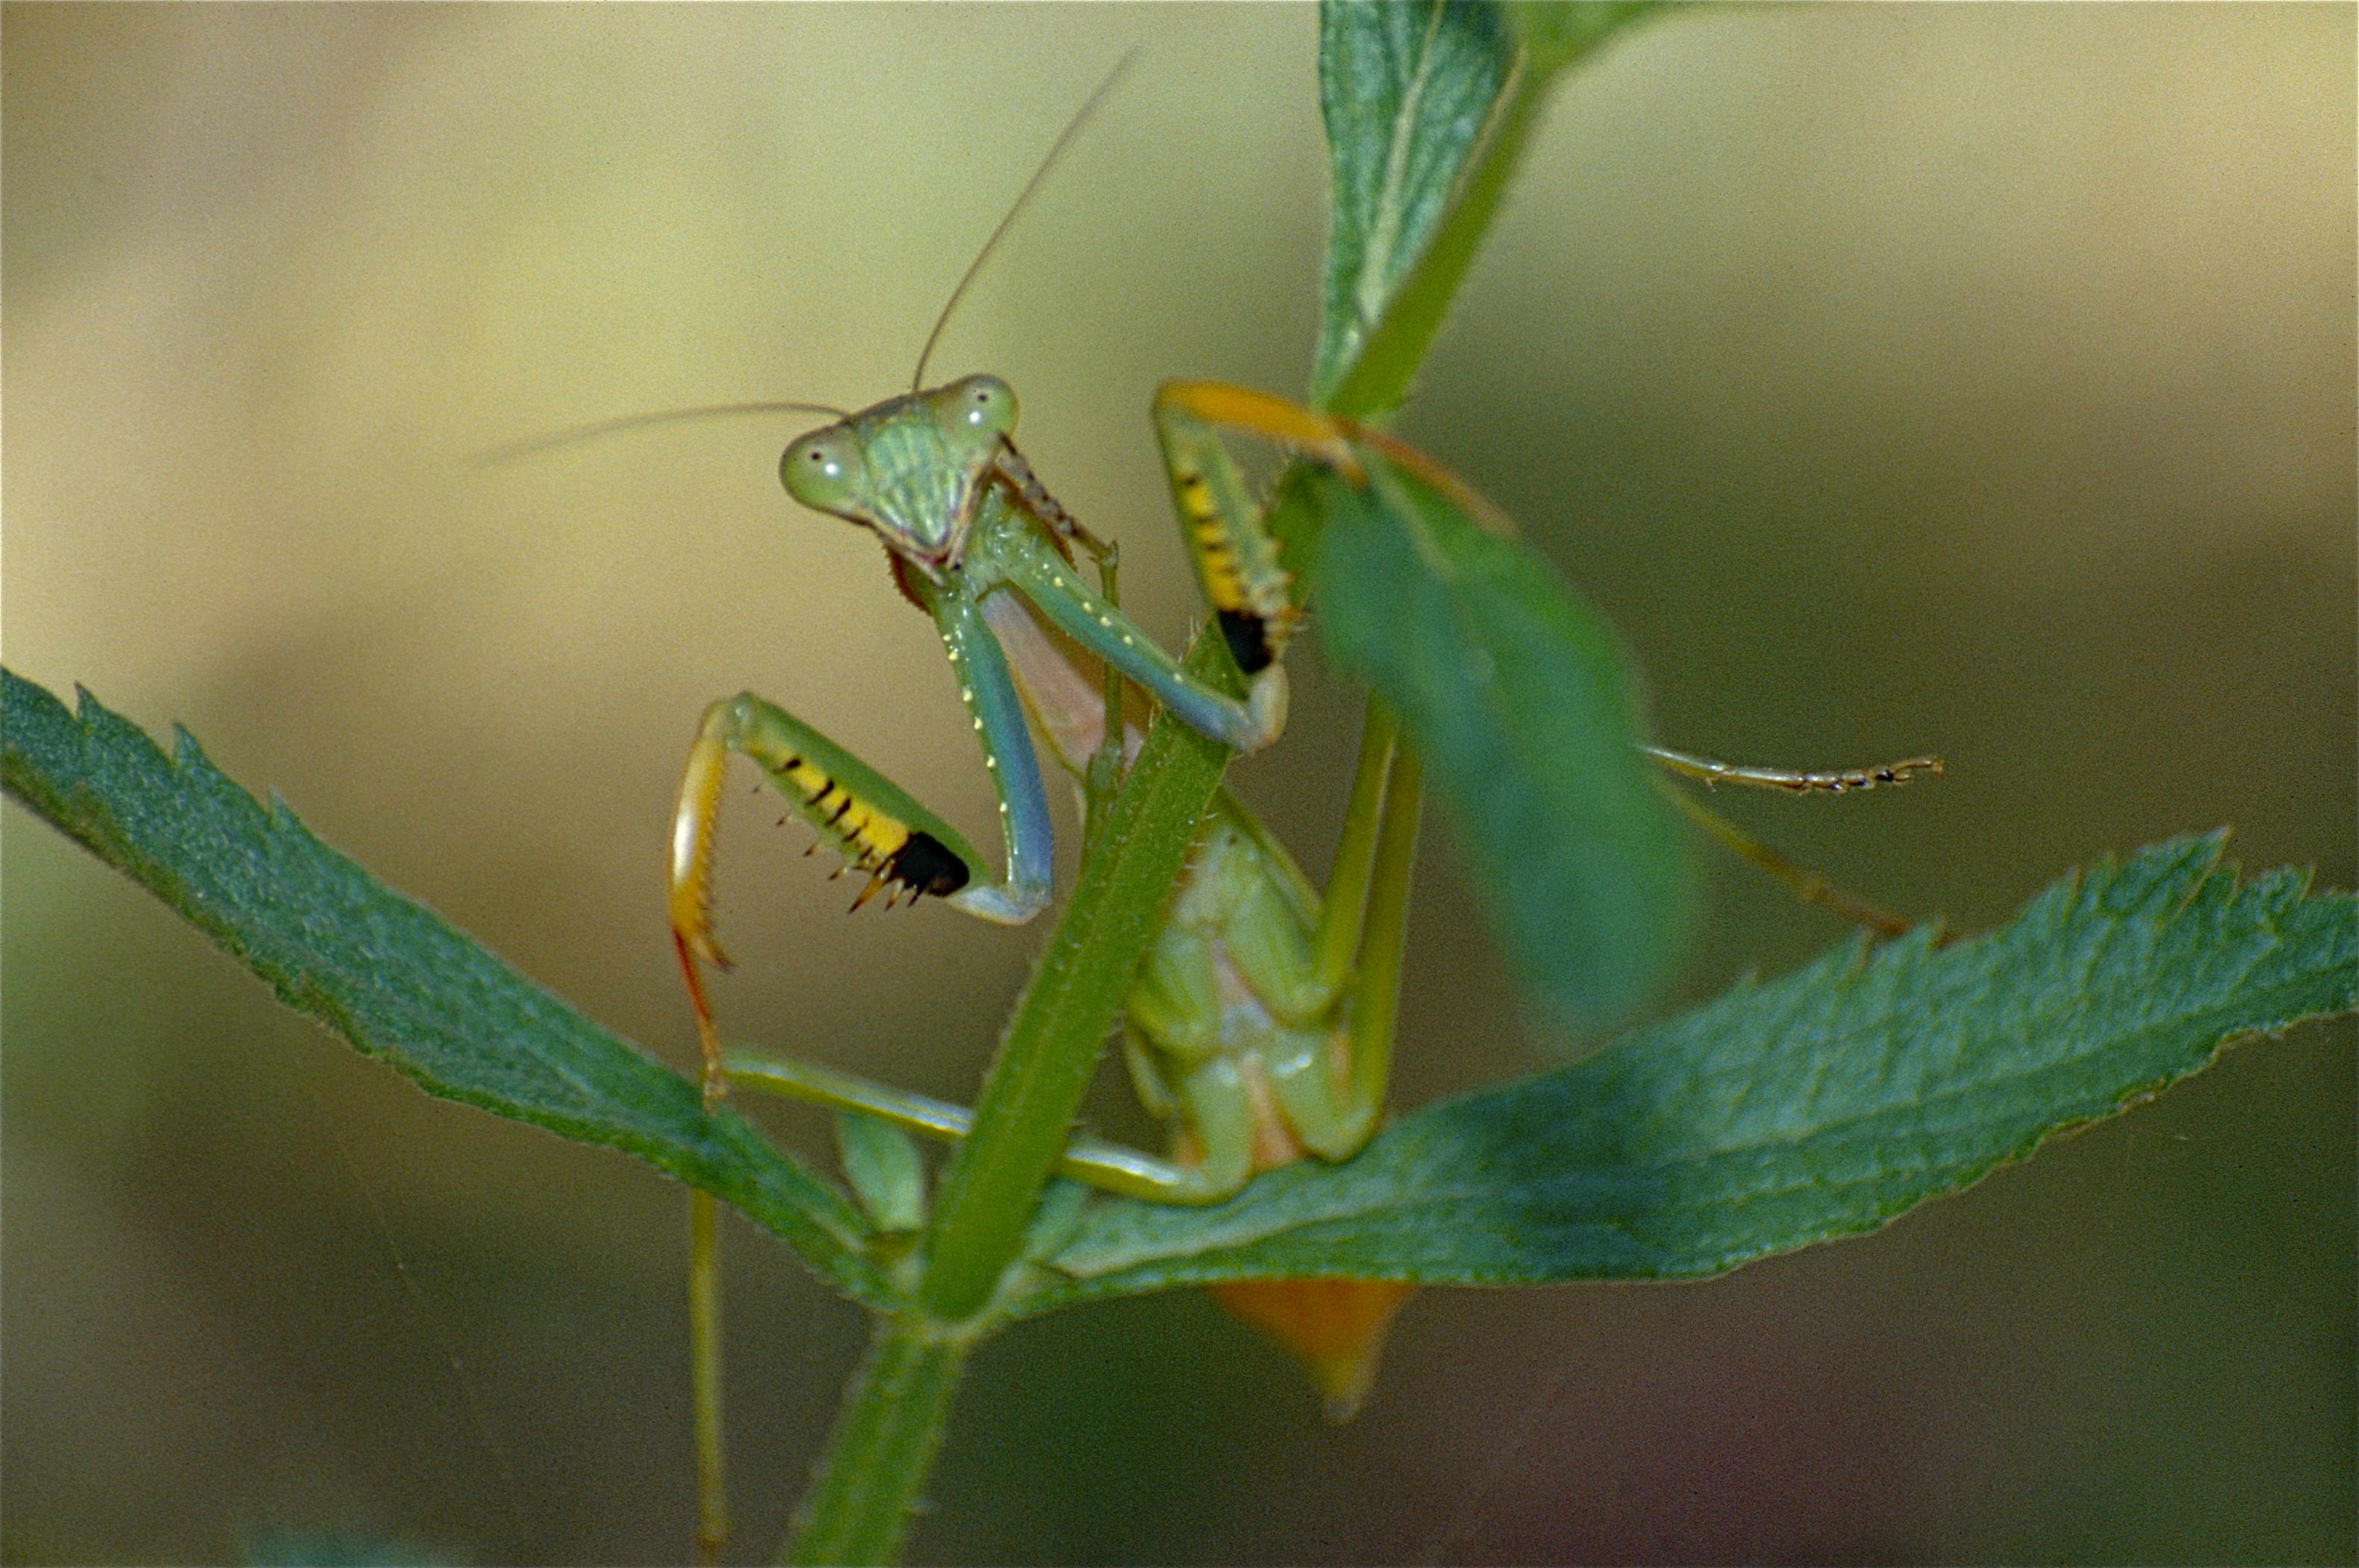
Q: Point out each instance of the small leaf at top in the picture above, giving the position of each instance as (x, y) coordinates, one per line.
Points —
(1407, 89)
(1429, 110)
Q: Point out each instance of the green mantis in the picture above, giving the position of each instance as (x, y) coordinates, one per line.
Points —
(1241, 1023)
(1260, 1021)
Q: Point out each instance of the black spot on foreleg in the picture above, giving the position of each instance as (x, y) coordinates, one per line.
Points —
(927, 865)
(1247, 636)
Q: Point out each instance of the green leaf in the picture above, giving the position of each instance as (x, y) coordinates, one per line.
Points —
(1406, 90)
(1428, 109)
(1525, 713)
(1819, 1105)
(388, 975)
(882, 1163)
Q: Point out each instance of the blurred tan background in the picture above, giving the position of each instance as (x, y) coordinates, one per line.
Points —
(1906, 378)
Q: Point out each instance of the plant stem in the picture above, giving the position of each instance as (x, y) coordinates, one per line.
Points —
(1050, 1047)
(704, 1353)
(875, 1462)
(876, 1459)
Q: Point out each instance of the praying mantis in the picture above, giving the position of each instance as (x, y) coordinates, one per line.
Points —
(1241, 1022)
(1241, 1025)
(1260, 1022)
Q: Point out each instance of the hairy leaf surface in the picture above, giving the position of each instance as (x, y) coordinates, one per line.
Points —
(388, 973)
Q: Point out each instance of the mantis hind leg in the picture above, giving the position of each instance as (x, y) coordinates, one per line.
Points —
(1361, 930)
(1807, 886)
(1110, 1167)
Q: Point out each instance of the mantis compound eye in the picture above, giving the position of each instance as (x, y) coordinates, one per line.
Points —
(980, 404)
(823, 471)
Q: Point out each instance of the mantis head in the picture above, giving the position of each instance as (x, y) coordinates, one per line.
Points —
(913, 468)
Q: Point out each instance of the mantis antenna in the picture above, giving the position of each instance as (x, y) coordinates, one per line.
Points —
(599, 428)
(1056, 150)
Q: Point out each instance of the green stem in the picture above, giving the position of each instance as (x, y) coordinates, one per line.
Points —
(1045, 1059)
(704, 1376)
(1104, 774)
(884, 1443)
(858, 1507)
